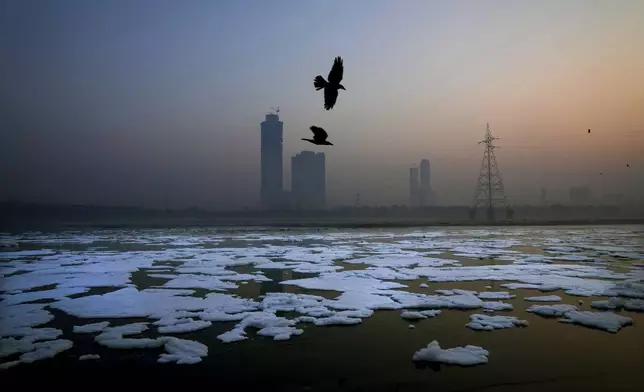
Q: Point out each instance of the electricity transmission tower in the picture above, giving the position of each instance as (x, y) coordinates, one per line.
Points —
(489, 187)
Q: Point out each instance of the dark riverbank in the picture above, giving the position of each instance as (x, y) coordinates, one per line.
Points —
(22, 217)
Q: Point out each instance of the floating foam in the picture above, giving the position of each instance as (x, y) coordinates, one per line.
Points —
(91, 328)
(15, 318)
(183, 351)
(340, 282)
(337, 320)
(415, 301)
(409, 315)
(482, 322)
(185, 325)
(544, 298)
(44, 350)
(89, 357)
(609, 304)
(607, 321)
(551, 310)
(495, 295)
(491, 306)
(635, 305)
(463, 356)
(360, 300)
(60, 293)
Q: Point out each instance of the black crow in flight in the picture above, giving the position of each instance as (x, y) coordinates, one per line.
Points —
(319, 136)
(331, 86)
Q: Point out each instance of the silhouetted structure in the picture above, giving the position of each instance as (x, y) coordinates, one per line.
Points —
(489, 187)
(331, 86)
(308, 180)
(272, 130)
(426, 193)
(414, 189)
(580, 195)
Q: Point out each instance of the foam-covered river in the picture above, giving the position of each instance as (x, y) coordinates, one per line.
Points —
(454, 309)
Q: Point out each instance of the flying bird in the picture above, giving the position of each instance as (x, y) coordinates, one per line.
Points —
(319, 136)
(331, 86)
(589, 131)
(627, 165)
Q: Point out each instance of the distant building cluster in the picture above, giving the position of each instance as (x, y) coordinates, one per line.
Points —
(308, 172)
(420, 188)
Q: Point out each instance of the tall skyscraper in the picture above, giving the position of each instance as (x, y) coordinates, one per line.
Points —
(308, 180)
(414, 189)
(425, 185)
(272, 130)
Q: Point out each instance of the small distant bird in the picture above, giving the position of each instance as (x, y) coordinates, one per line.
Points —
(601, 173)
(589, 131)
(319, 136)
(332, 86)
(627, 165)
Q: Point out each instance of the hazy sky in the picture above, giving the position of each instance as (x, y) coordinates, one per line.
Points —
(158, 103)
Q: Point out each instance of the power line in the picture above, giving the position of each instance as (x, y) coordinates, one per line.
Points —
(489, 186)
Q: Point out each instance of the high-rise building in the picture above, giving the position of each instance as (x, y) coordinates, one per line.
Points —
(308, 180)
(425, 185)
(272, 130)
(414, 189)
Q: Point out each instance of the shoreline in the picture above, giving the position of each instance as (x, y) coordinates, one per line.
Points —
(312, 223)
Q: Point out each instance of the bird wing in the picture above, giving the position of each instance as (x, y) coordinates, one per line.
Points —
(318, 133)
(337, 71)
(330, 96)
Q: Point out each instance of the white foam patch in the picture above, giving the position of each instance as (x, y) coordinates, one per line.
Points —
(87, 357)
(572, 278)
(44, 350)
(91, 328)
(544, 298)
(609, 304)
(279, 328)
(607, 321)
(10, 346)
(337, 320)
(495, 295)
(463, 356)
(361, 300)
(482, 322)
(185, 325)
(183, 352)
(61, 293)
(634, 305)
(534, 259)
(551, 310)
(461, 301)
(423, 285)
(15, 318)
(200, 282)
(26, 253)
(513, 286)
(409, 315)
(113, 336)
(156, 303)
(491, 306)
(402, 260)
(340, 282)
